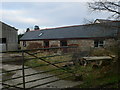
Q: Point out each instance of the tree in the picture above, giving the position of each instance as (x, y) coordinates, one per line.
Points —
(114, 7)
(36, 27)
(19, 36)
(106, 5)
(27, 30)
(88, 21)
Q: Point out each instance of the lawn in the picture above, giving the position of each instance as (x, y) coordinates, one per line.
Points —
(102, 76)
(58, 59)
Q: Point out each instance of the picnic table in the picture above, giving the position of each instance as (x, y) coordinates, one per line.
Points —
(97, 59)
(94, 58)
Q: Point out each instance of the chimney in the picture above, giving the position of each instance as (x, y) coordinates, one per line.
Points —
(36, 27)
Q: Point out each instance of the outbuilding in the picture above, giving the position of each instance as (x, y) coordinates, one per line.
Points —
(96, 35)
(8, 38)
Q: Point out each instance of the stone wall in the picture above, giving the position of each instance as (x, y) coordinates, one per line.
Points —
(109, 42)
(31, 44)
(82, 44)
(54, 43)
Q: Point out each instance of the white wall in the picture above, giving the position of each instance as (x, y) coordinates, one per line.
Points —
(119, 8)
(2, 47)
(11, 36)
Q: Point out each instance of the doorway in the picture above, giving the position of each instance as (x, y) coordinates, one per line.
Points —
(46, 44)
(3, 44)
(63, 43)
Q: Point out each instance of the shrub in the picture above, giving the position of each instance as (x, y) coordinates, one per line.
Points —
(100, 52)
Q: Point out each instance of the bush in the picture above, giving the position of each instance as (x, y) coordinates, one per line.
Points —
(100, 52)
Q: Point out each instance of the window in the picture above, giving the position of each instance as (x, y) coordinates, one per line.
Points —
(2, 40)
(24, 43)
(98, 43)
(46, 43)
(63, 43)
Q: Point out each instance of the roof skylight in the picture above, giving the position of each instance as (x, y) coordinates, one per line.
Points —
(40, 34)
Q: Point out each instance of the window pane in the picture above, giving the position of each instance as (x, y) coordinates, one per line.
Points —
(101, 45)
(95, 43)
(46, 43)
(63, 43)
(100, 42)
(2, 40)
(24, 43)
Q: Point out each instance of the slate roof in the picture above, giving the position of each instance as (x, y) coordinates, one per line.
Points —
(106, 30)
(6, 25)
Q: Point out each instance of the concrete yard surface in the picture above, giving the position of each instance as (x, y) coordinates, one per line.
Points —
(57, 84)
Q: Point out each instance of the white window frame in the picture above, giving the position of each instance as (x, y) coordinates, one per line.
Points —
(99, 44)
(24, 43)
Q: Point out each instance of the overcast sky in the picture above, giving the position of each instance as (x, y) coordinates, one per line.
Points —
(22, 15)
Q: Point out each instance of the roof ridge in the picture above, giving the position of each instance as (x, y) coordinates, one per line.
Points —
(63, 27)
(73, 26)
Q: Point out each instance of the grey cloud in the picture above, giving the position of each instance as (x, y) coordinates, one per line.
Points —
(49, 14)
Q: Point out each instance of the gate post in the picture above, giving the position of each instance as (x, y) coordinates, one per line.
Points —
(23, 72)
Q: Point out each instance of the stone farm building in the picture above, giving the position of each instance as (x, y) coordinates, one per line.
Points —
(87, 36)
(8, 38)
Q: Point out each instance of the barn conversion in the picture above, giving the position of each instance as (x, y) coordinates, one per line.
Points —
(8, 38)
(85, 36)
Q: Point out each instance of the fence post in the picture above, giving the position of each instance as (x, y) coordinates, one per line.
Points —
(23, 72)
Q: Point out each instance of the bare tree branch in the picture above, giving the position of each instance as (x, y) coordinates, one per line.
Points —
(110, 9)
(114, 4)
(102, 5)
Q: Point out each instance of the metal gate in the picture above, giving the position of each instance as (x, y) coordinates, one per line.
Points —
(34, 55)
